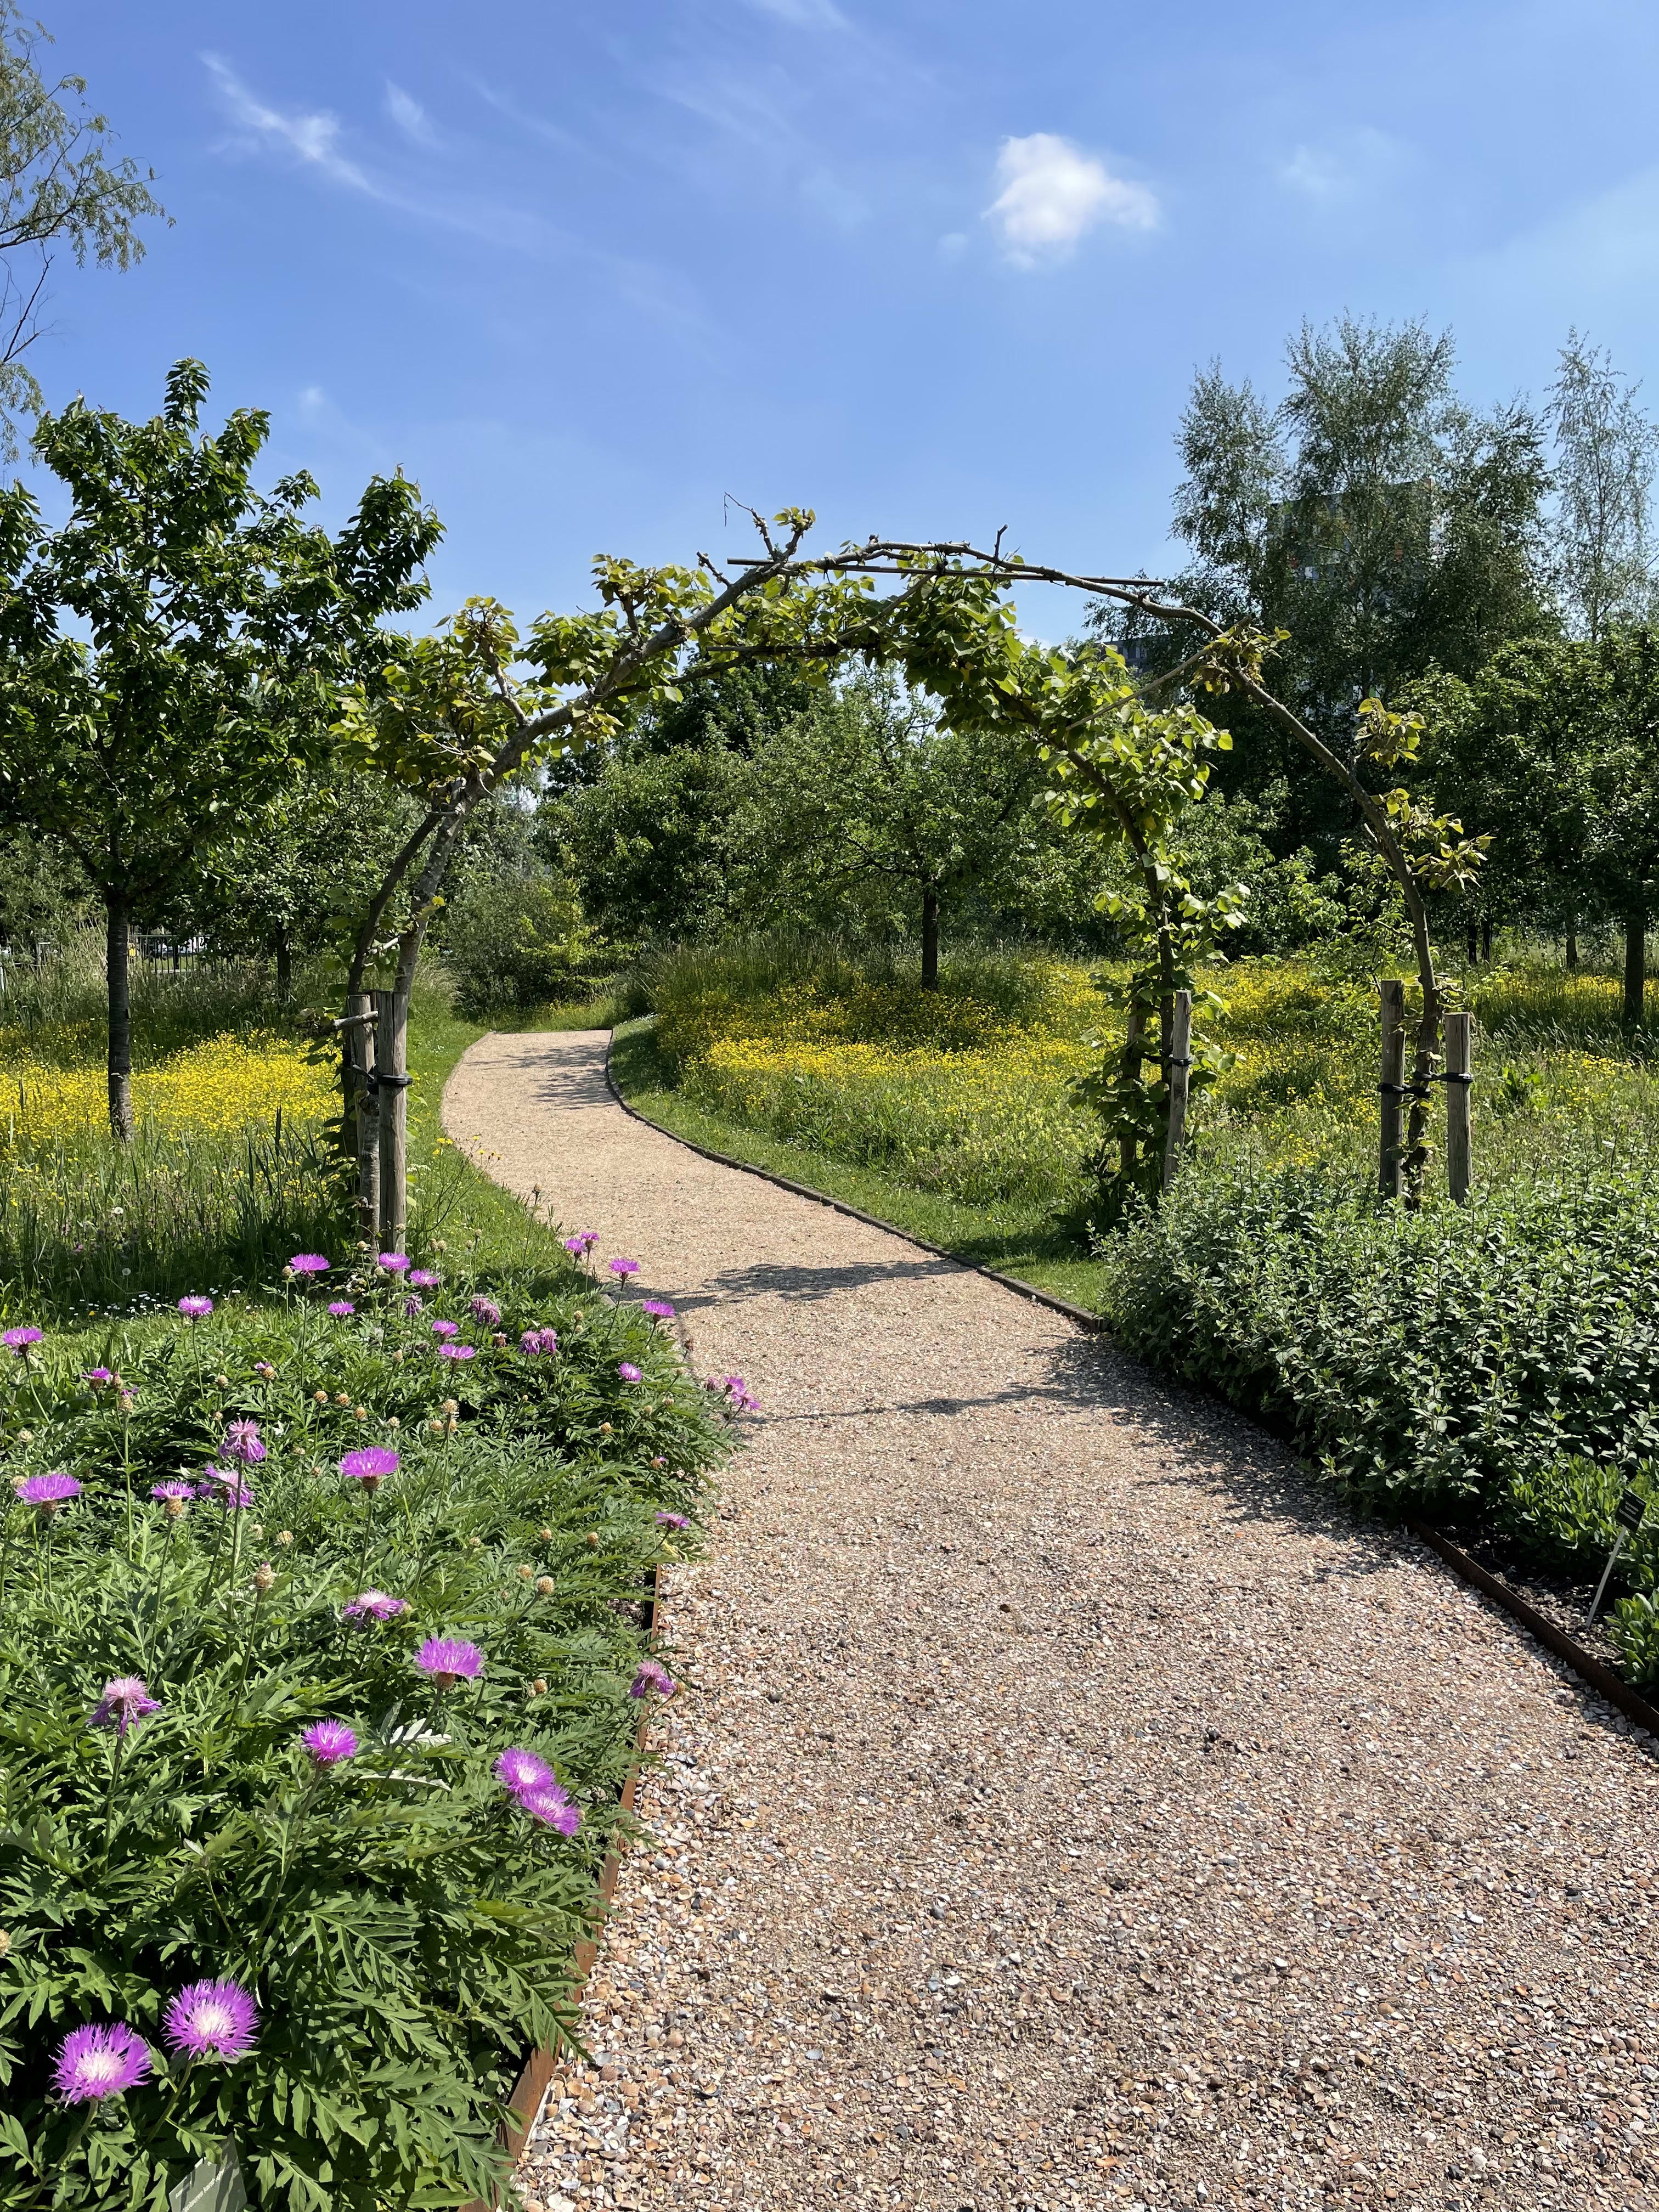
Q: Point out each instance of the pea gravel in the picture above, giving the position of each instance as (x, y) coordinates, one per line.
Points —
(1069, 1805)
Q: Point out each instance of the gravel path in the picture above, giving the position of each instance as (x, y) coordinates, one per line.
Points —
(1073, 1807)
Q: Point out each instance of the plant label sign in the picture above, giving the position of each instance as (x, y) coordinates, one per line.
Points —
(215, 2185)
(1630, 1511)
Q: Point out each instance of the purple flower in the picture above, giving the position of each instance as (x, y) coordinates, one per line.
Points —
(19, 1339)
(211, 2020)
(329, 1742)
(447, 1661)
(487, 1311)
(264, 1370)
(308, 1263)
(125, 1701)
(539, 1340)
(49, 1492)
(378, 1605)
(394, 1263)
(242, 1442)
(583, 1241)
(195, 1309)
(737, 1391)
(672, 1521)
(627, 1369)
(343, 1309)
(652, 1678)
(175, 1496)
(423, 1278)
(231, 1490)
(660, 1307)
(99, 1377)
(521, 1771)
(411, 1306)
(446, 1328)
(624, 1266)
(553, 1805)
(95, 2062)
(457, 1352)
(370, 1466)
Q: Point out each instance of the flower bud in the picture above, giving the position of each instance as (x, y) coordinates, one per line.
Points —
(450, 1405)
(265, 1576)
(221, 1382)
(5, 1944)
(592, 1540)
(538, 1688)
(525, 1573)
(546, 1535)
(359, 1413)
(475, 1543)
(319, 1397)
(604, 1428)
(26, 1436)
(341, 1398)
(394, 1423)
(258, 1533)
(285, 1535)
(543, 1585)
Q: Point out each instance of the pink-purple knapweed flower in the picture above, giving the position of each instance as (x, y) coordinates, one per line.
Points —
(343, 1309)
(195, 1308)
(554, 1806)
(659, 1308)
(423, 1278)
(395, 1263)
(457, 1351)
(627, 1369)
(98, 2062)
(370, 1466)
(487, 1311)
(48, 1491)
(264, 1370)
(99, 1377)
(19, 1339)
(309, 1263)
(446, 1328)
(125, 1701)
(377, 1606)
(175, 1496)
(211, 2020)
(536, 1340)
(518, 1770)
(737, 1391)
(228, 1491)
(242, 1441)
(448, 1661)
(329, 1742)
(412, 1305)
(624, 1266)
(672, 1521)
(582, 1241)
(652, 1680)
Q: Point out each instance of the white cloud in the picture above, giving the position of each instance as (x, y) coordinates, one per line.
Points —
(313, 137)
(1053, 193)
(807, 14)
(408, 115)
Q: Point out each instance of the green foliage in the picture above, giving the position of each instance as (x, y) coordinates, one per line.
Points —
(647, 843)
(1633, 1624)
(405, 1928)
(516, 937)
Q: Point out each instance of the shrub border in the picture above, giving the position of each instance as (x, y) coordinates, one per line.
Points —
(1096, 1324)
(1588, 1669)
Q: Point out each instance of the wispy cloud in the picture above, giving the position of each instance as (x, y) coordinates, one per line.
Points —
(409, 116)
(313, 138)
(1052, 193)
(1359, 164)
(809, 14)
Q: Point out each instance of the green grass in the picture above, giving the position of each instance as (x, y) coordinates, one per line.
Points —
(1032, 1244)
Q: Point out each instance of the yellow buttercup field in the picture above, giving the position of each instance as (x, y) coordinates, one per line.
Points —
(217, 1088)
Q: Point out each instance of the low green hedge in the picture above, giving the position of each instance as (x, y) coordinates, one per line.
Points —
(1495, 1367)
(402, 1920)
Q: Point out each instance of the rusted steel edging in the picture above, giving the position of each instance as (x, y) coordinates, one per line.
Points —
(542, 2065)
(1601, 1678)
(1093, 1322)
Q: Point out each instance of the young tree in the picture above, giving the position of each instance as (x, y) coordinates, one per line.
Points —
(59, 191)
(173, 649)
(1604, 449)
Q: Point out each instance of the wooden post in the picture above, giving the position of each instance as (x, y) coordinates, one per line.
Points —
(390, 1053)
(1459, 1162)
(1180, 1042)
(1391, 1086)
(365, 1115)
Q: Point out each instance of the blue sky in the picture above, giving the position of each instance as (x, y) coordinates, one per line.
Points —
(929, 266)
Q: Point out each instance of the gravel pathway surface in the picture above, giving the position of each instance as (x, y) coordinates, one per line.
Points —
(1073, 1807)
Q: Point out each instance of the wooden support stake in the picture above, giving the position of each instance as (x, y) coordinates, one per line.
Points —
(1179, 1045)
(391, 1066)
(1392, 1086)
(359, 1028)
(1134, 1035)
(1460, 1171)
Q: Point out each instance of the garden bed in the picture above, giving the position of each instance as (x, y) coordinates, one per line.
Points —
(342, 1726)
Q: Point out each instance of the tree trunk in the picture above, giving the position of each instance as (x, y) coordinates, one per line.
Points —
(284, 967)
(120, 975)
(1485, 938)
(1572, 945)
(1473, 940)
(1636, 966)
(930, 940)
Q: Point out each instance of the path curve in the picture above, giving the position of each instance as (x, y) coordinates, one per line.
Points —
(1076, 1808)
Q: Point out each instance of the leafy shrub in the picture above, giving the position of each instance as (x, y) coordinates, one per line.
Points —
(1633, 1626)
(1449, 1359)
(403, 1922)
(516, 938)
